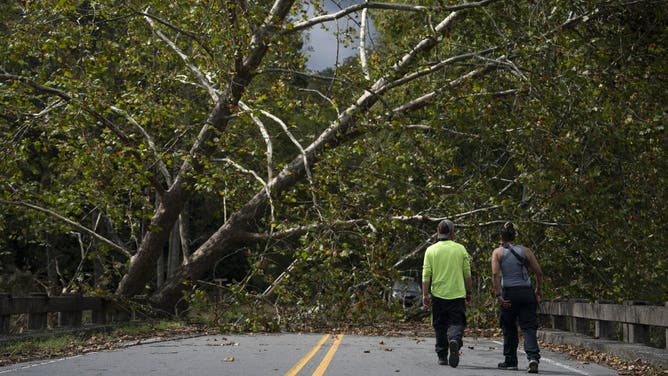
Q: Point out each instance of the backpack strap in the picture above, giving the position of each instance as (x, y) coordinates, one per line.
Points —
(523, 261)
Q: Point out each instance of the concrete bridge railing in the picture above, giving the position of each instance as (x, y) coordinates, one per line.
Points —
(630, 322)
(59, 312)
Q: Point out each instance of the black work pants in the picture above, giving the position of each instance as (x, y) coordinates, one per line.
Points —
(449, 321)
(523, 310)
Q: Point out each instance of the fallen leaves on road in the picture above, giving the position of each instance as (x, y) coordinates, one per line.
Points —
(97, 342)
(101, 342)
(624, 368)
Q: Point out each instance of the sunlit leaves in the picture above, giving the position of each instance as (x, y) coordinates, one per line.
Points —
(565, 126)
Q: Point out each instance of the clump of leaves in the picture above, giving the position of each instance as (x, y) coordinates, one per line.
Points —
(637, 367)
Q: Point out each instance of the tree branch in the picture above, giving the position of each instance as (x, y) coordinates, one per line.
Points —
(429, 97)
(64, 95)
(161, 165)
(71, 223)
(269, 153)
(386, 6)
(362, 47)
(436, 67)
(301, 149)
(297, 231)
(265, 137)
(170, 25)
(266, 187)
(202, 78)
(352, 9)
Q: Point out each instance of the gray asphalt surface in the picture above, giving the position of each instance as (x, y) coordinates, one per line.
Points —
(288, 354)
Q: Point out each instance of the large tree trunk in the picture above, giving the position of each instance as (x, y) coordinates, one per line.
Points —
(172, 201)
(169, 295)
(174, 254)
(142, 264)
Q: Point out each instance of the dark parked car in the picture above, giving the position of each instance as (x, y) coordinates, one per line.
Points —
(407, 291)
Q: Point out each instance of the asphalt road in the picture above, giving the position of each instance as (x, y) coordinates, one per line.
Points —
(295, 354)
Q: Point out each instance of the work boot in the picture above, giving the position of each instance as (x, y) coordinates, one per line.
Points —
(454, 353)
(443, 358)
(533, 366)
(508, 366)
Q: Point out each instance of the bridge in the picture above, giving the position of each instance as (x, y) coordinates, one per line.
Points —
(631, 330)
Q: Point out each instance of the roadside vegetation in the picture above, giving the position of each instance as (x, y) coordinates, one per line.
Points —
(65, 345)
(184, 152)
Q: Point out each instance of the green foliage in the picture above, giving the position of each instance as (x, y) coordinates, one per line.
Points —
(565, 136)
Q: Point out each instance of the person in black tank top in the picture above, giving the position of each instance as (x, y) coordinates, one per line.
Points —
(518, 300)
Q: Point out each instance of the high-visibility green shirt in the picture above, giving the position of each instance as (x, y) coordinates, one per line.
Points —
(445, 265)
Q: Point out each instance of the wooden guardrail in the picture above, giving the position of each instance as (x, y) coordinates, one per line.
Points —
(629, 322)
(68, 308)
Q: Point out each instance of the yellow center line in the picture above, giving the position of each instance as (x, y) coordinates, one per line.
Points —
(302, 362)
(328, 358)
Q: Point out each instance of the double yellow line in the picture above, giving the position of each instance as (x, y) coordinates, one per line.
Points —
(322, 367)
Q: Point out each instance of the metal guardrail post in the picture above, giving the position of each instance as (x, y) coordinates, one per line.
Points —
(4, 318)
(71, 319)
(38, 319)
(579, 325)
(605, 329)
(635, 333)
(99, 316)
(561, 322)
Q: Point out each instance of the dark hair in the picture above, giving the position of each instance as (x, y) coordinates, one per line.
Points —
(507, 232)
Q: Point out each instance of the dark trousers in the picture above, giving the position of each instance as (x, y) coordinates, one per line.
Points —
(449, 321)
(523, 309)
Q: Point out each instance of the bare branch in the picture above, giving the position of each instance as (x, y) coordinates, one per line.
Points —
(429, 97)
(71, 223)
(505, 62)
(352, 9)
(436, 67)
(69, 98)
(161, 165)
(430, 128)
(176, 28)
(279, 279)
(337, 131)
(328, 99)
(202, 78)
(36, 85)
(266, 187)
(362, 47)
(426, 218)
(386, 6)
(265, 136)
(279, 11)
(301, 149)
(57, 103)
(422, 246)
(299, 231)
(425, 44)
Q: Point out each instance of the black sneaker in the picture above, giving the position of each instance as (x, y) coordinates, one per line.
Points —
(508, 366)
(533, 366)
(454, 353)
(442, 358)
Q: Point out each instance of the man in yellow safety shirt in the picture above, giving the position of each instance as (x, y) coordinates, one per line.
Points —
(446, 288)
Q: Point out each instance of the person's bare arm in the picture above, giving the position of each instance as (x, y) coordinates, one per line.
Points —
(496, 272)
(426, 294)
(496, 277)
